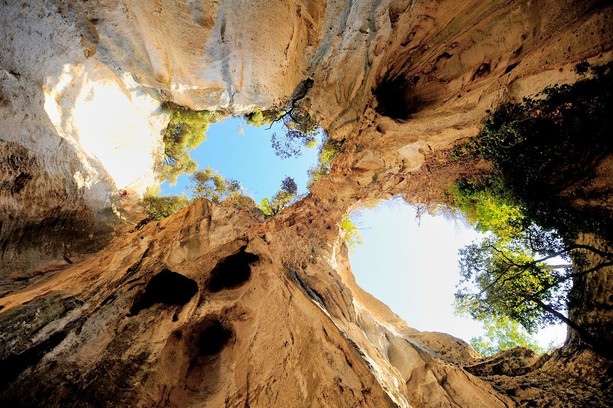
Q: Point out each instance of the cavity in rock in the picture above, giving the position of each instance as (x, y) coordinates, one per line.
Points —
(232, 271)
(394, 98)
(166, 287)
(213, 338)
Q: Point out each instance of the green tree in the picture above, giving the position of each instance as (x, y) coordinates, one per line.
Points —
(213, 186)
(157, 207)
(540, 151)
(262, 117)
(300, 130)
(486, 204)
(502, 333)
(512, 278)
(327, 153)
(283, 198)
(351, 235)
(544, 149)
(185, 131)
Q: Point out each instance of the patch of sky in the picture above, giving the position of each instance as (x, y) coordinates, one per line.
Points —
(411, 264)
(242, 152)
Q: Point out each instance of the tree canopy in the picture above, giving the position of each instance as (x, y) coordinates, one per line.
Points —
(523, 268)
(213, 186)
(283, 198)
(300, 130)
(157, 207)
(502, 333)
(185, 131)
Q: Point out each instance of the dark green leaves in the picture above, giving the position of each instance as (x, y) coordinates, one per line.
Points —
(185, 131)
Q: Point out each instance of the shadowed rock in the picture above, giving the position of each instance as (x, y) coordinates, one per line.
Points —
(166, 287)
(232, 271)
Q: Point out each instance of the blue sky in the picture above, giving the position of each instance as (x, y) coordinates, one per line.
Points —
(409, 264)
(244, 153)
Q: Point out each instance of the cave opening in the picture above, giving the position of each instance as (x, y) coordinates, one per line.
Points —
(394, 97)
(261, 155)
(213, 337)
(416, 258)
(166, 287)
(232, 271)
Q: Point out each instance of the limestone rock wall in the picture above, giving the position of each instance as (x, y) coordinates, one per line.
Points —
(73, 133)
(82, 83)
(203, 308)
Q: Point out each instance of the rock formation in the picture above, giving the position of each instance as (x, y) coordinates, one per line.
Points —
(218, 305)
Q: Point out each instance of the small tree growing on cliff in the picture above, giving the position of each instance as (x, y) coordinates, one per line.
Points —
(157, 207)
(300, 128)
(351, 235)
(259, 117)
(327, 153)
(283, 198)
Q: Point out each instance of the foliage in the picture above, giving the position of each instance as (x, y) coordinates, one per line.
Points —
(550, 144)
(540, 151)
(488, 206)
(299, 120)
(327, 153)
(262, 117)
(351, 235)
(300, 129)
(512, 281)
(502, 334)
(291, 143)
(213, 186)
(283, 198)
(185, 131)
(157, 207)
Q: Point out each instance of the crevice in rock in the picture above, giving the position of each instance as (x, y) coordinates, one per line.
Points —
(231, 272)
(13, 365)
(310, 292)
(213, 338)
(167, 287)
(394, 98)
(483, 71)
(20, 182)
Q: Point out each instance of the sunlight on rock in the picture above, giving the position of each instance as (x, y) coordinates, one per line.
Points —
(108, 119)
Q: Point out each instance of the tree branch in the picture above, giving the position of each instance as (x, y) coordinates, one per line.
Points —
(583, 333)
(590, 248)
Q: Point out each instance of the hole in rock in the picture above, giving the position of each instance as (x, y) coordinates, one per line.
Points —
(265, 155)
(214, 337)
(167, 287)
(20, 182)
(232, 271)
(410, 263)
(394, 98)
(194, 353)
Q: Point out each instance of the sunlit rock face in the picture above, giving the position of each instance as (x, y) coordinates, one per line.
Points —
(257, 312)
(74, 132)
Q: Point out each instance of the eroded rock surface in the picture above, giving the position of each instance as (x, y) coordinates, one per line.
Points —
(263, 312)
